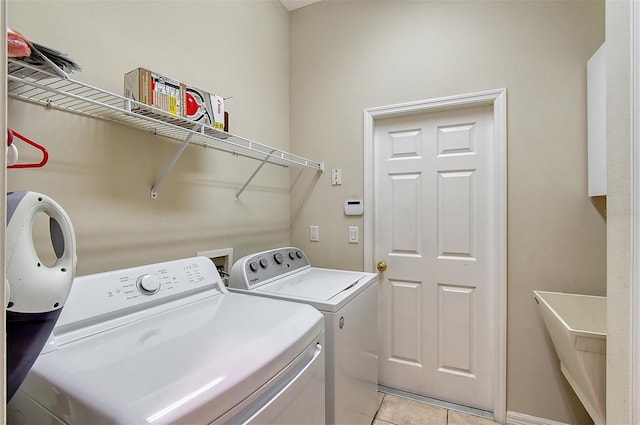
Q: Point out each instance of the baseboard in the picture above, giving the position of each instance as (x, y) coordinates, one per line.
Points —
(515, 418)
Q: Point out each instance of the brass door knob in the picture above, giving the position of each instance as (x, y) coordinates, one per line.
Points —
(382, 266)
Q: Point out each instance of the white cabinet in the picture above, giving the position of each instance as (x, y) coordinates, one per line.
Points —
(597, 123)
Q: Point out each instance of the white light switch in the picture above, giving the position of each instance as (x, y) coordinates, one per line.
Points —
(314, 234)
(354, 234)
(336, 177)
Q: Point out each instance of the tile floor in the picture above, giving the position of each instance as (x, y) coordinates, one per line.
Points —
(402, 411)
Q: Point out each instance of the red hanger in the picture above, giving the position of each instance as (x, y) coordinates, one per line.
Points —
(45, 154)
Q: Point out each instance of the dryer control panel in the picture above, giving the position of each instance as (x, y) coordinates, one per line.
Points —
(258, 269)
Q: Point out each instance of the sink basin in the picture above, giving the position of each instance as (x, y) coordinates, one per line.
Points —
(577, 325)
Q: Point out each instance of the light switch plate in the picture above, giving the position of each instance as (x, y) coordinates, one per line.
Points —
(354, 234)
(314, 234)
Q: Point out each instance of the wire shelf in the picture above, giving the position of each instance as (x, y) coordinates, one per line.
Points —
(51, 88)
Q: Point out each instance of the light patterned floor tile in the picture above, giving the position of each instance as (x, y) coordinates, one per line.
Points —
(402, 411)
(457, 418)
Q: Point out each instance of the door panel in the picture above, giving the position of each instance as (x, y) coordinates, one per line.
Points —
(407, 322)
(405, 213)
(405, 144)
(433, 194)
(454, 323)
(455, 231)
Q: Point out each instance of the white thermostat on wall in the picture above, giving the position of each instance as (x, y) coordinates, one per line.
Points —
(353, 207)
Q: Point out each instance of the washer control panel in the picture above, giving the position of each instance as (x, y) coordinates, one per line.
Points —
(121, 292)
(257, 269)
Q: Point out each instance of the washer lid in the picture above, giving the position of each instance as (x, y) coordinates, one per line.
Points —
(187, 365)
(314, 284)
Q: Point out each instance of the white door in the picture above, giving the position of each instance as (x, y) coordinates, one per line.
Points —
(433, 226)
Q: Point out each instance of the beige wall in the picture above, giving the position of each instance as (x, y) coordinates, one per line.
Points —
(102, 173)
(350, 55)
(619, 203)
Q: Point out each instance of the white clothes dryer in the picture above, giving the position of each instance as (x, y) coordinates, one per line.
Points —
(167, 343)
(348, 300)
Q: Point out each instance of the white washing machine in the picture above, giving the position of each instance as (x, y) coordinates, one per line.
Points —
(167, 343)
(348, 301)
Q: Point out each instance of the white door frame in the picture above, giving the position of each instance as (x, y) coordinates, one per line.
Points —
(634, 331)
(497, 98)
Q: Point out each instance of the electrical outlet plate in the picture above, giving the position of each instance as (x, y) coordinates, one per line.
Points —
(336, 177)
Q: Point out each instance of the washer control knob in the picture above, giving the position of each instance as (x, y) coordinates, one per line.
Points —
(148, 284)
(253, 266)
(263, 263)
(292, 255)
(278, 257)
(299, 254)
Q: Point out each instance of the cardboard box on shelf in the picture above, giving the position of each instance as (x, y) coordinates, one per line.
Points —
(174, 97)
(204, 107)
(155, 90)
(197, 105)
(220, 117)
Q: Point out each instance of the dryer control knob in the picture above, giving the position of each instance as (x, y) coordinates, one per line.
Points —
(278, 257)
(148, 284)
(292, 255)
(253, 266)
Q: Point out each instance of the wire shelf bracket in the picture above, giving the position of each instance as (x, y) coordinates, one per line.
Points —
(167, 170)
(244, 186)
(53, 90)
